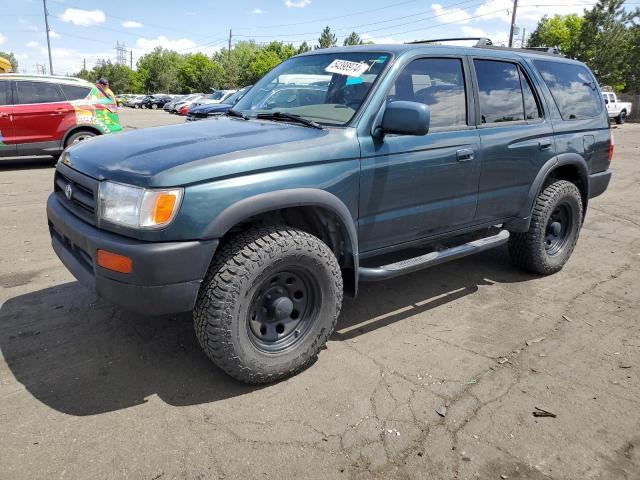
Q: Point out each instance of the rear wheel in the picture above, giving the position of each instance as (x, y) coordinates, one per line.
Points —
(555, 224)
(620, 119)
(78, 137)
(154, 106)
(270, 301)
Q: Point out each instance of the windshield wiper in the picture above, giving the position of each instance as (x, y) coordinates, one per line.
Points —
(235, 113)
(290, 118)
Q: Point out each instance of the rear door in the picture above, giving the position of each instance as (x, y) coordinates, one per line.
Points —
(40, 116)
(7, 141)
(516, 136)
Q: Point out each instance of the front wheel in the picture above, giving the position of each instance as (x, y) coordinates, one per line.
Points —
(154, 106)
(555, 224)
(269, 302)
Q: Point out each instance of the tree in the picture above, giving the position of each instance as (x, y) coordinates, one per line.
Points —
(158, 71)
(353, 39)
(632, 80)
(283, 51)
(304, 47)
(561, 31)
(327, 39)
(199, 73)
(12, 58)
(236, 63)
(264, 61)
(605, 42)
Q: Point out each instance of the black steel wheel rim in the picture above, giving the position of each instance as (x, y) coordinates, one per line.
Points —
(283, 309)
(558, 230)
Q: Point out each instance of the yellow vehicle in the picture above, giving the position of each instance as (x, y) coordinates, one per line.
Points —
(5, 65)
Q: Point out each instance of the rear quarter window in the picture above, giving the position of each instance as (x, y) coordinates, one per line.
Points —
(38, 92)
(573, 88)
(75, 92)
(4, 92)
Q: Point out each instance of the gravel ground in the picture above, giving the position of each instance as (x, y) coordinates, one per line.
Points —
(90, 391)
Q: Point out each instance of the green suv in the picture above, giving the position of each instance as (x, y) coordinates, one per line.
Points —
(260, 220)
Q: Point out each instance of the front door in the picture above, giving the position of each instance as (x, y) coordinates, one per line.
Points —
(413, 187)
(7, 144)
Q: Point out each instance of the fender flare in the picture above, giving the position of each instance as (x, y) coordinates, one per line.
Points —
(279, 199)
(521, 224)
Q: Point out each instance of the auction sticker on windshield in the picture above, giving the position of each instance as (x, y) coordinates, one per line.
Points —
(345, 67)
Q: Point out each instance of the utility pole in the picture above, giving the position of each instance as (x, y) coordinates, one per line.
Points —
(84, 64)
(46, 24)
(229, 43)
(523, 38)
(131, 59)
(513, 22)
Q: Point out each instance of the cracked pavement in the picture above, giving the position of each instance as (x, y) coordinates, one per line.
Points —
(91, 391)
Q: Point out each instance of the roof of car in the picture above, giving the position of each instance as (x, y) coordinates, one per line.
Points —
(48, 78)
(398, 49)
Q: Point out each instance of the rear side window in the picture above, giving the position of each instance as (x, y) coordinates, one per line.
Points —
(438, 83)
(75, 92)
(5, 88)
(38, 92)
(574, 89)
(500, 91)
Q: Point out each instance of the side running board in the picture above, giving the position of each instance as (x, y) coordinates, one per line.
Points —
(432, 258)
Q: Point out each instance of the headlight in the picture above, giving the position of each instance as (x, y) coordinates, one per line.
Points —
(137, 207)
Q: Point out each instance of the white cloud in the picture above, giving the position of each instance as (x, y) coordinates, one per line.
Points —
(190, 14)
(474, 32)
(164, 42)
(54, 34)
(83, 18)
(457, 15)
(380, 40)
(2, 39)
(131, 24)
(257, 11)
(297, 3)
(33, 44)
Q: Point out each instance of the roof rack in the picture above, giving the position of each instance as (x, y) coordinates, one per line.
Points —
(484, 42)
(480, 41)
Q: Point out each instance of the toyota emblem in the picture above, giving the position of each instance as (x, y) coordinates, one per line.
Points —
(68, 191)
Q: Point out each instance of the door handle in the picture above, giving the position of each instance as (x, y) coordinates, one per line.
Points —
(544, 144)
(465, 155)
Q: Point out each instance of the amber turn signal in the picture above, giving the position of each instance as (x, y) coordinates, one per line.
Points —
(115, 262)
(165, 203)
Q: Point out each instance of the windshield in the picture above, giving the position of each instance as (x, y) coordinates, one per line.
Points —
(326, 88)
(216, 95)
(232, 99)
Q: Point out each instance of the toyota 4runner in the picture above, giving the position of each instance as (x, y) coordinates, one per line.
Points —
(259, 220)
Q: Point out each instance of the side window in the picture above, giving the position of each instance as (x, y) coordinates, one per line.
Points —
(573, 88)
(532, 110)
(499, 91)
(38, 92)
(75, 92)
(5, 89)
(439, 84)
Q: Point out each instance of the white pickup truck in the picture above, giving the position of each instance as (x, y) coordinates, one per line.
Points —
(615, 108)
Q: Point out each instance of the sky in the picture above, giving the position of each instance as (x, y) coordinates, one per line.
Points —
(83, 30)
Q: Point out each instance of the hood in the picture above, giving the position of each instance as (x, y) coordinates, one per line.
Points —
(200, 151)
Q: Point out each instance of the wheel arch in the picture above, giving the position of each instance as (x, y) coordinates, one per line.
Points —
(79, 128)
(566, 166)
(315, 211)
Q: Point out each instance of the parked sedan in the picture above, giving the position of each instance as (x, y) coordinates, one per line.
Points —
(219, 96)
(185, 101)
(176, 99)
(133, 101)
(211, 109)
(155, 101)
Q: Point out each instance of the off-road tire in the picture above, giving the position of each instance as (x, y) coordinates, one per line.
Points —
(239, 268)
(621, 118)
(527, 249)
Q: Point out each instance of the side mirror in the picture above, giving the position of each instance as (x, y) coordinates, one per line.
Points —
(404, 118)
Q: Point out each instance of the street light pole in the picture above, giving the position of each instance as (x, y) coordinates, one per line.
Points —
(46, 24)
(513, 22)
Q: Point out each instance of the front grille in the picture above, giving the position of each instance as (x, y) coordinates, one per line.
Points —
(84, 193)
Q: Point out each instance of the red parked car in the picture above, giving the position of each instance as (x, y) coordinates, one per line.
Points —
(184, 111)
(42, 115)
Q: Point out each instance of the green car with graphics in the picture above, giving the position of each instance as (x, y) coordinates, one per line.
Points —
(42, 115)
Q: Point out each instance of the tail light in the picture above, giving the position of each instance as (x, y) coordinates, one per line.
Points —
(611, 145)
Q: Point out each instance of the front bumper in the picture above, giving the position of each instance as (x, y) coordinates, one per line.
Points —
(166, 276)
